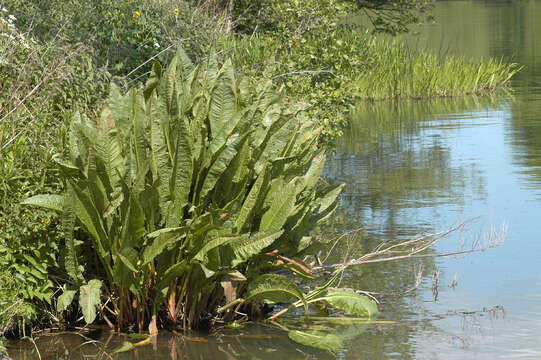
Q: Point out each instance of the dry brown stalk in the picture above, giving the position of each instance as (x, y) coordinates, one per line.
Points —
(414, 248)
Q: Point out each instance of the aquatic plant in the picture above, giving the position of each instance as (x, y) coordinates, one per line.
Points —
(192, 191)
(400, 72)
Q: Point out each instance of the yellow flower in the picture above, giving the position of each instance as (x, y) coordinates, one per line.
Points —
(137, 13)
(176, 12)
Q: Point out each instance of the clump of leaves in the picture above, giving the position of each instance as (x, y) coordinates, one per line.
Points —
(192, 191)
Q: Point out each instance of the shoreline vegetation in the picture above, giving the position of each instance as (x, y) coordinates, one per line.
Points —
(89, 117)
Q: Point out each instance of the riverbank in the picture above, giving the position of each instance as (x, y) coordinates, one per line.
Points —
(47, 76)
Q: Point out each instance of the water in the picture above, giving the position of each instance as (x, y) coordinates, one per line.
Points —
(414, 167)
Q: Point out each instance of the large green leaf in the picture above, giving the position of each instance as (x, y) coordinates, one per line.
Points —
(220, 165)
(69, 216)
(246, 248)
(65, 300)
(181, 177)
(161, 161)
(282, 203)
(202, 254)
(139, 127)
(274, 288)
(351, 302)
(223, 99)
(162, 239)
(91, 219)
(89, 299)
(108, 147)
(250, 202)
(317, 339)
(52, 202)
(153, 80)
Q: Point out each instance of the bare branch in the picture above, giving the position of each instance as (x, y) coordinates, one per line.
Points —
(414, 248)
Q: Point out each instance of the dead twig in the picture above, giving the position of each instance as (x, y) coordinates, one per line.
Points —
(415, 248)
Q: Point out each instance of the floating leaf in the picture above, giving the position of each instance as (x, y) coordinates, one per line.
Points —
(126, 346)
(351, 302)
(317, 339)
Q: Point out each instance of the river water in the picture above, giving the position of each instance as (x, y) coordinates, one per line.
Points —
(420, 167)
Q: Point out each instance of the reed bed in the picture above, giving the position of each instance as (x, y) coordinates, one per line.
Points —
(398, 71)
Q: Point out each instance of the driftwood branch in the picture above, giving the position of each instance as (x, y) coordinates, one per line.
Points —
(415, 248)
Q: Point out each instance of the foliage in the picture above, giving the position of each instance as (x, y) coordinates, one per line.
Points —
(13, 308)
(38, 83)
(385, 16)
(123, 34)
(401, 72)
(184, 185)
(331, 67)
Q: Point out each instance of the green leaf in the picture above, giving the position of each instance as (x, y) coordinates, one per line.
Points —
(171, 273)
(69, 216)
(89, 299)
(214, 243)
(250, 202)
(223, 99)
(128, 256)
(162, 239)
(351, 302)
(181, 177)
(273, 288)
(175, 230)
(89, 216)
(126, 346)
(317, 339)
(65, 300)
(108, 147)
(52, 202)
(153, 80)
(282, 203)
(246, 248)
(220, 165)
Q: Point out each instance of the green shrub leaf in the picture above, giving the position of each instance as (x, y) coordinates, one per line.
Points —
(65, 300)
(89, 299)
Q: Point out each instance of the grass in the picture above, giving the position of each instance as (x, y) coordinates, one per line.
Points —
(399, 72)
(334, 73)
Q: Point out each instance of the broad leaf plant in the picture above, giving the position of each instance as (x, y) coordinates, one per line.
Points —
(189, 194)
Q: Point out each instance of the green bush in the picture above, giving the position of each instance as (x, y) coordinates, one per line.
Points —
(40, 83)
(122, 34)
(190, 189)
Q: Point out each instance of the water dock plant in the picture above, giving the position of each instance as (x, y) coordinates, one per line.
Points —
(189, 194)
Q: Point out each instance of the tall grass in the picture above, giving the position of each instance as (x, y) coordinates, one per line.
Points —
(399, 72)
(332, 73)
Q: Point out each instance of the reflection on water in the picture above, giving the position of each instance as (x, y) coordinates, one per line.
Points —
(413, 167)
(264, 343)
(396, 159)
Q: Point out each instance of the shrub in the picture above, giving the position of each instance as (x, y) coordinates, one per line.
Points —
(122, 34)
(191, 190)
(39, 84)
